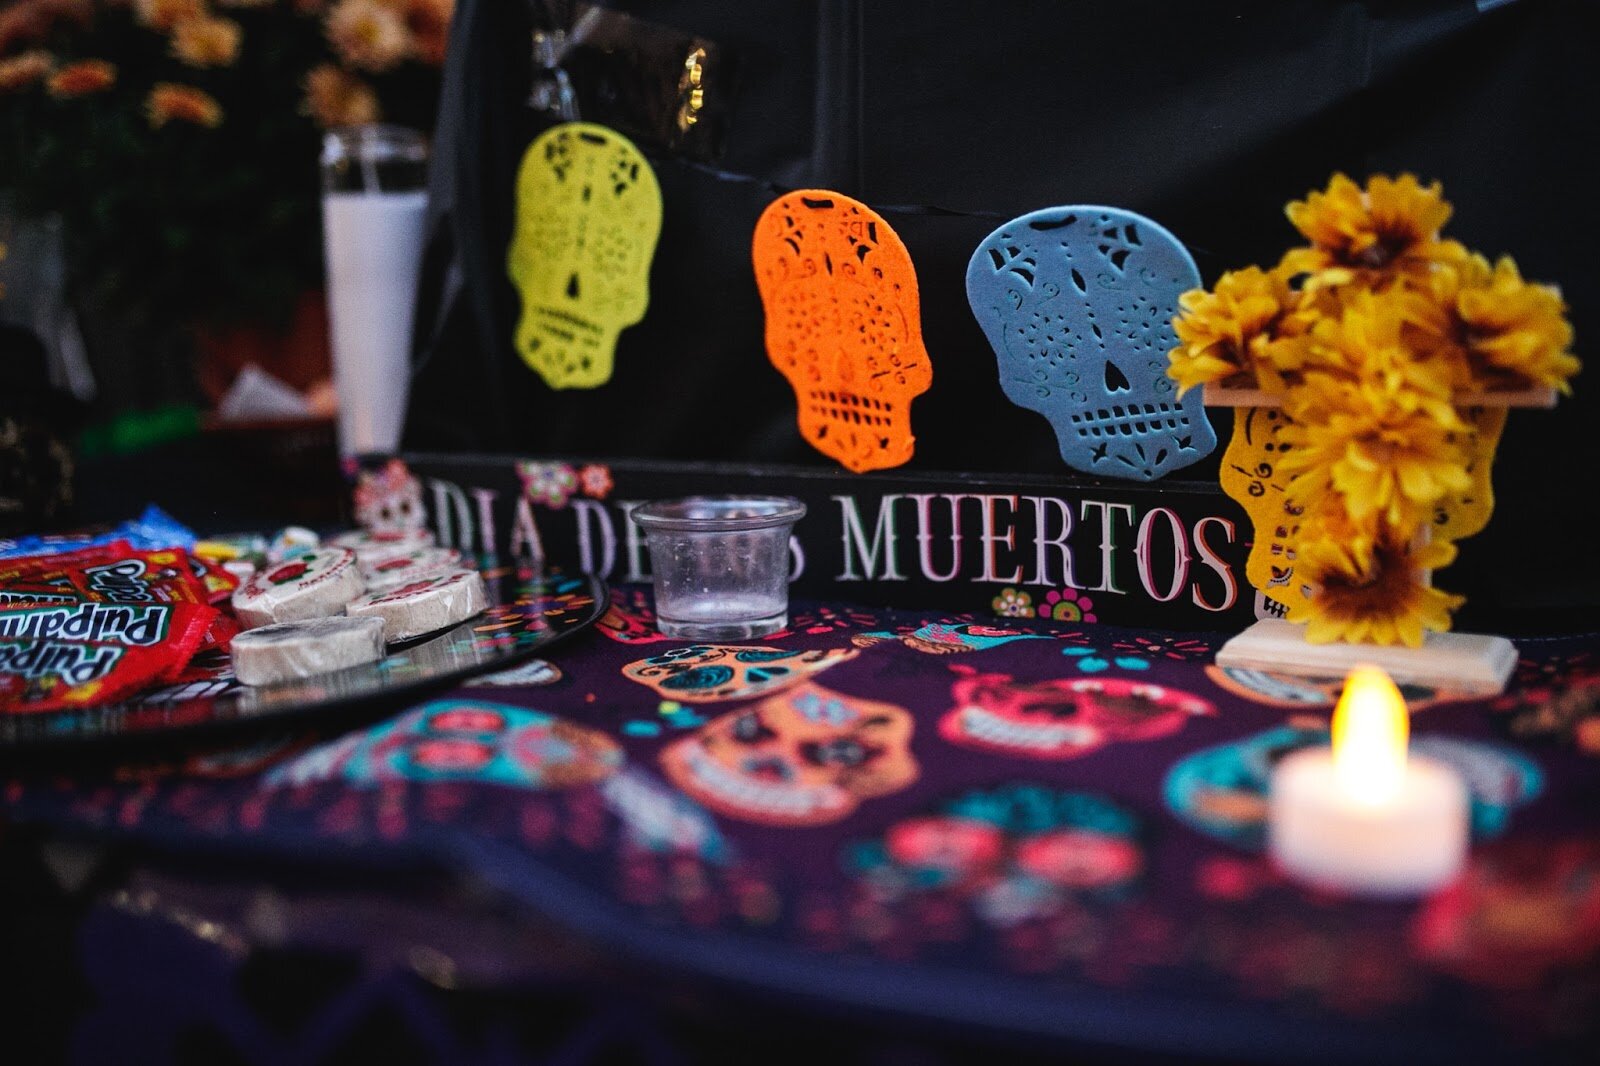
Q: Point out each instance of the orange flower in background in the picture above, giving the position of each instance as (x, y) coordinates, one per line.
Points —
(1390, 228)
(83, 78)
(33, 20)
(429, 23)
(335, 97)
(1251, 324)
(206, 42)
(1386, 600)
(181, 103)
(368, 35)
(24, 70)
(163, 15)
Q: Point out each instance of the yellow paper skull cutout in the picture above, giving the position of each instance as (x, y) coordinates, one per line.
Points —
(1250, 476)
(844, 324)
(1463, 514)
(588, 217)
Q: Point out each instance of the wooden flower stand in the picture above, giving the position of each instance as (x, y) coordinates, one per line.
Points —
(1468, 663)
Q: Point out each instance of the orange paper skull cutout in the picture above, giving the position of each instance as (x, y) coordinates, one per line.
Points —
(843, 324)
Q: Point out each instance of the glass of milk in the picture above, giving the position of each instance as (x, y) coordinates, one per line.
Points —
(374, 200)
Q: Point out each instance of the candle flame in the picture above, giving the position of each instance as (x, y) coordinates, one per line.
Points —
(1370, 730)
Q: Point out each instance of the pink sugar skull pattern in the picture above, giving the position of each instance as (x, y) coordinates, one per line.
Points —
(1062, 718)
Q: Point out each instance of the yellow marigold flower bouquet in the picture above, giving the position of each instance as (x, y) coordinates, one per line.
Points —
(1383, 345)
(178, 138)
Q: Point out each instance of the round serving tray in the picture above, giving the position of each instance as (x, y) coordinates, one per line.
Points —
(530, 610)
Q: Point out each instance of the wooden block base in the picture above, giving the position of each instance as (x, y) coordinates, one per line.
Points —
(1464, 662)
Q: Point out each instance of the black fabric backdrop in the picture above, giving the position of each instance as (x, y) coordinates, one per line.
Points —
(1207, 116)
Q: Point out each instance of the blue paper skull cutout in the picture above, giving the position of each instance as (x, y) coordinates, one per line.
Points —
(1077, 303)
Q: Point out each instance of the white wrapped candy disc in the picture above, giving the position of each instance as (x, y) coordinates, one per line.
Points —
(371, 546)
(313, 585)
(426, 605)
(398, 570)
(289, 650)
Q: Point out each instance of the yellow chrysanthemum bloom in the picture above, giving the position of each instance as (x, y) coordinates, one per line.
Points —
(181, 103)
(1388, 450)
(1250, 325)
(1387, 601)
(1430, 326)
(206, 41)
(1389, 229)
(1517, 332)
(1367, 340)
(1349, 543)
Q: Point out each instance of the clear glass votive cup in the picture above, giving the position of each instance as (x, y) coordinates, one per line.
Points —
(721, 564)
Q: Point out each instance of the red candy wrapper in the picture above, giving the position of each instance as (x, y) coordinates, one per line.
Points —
(37, 565)
(218, 583)
(54, 675)
(139, 576)
(76, 655)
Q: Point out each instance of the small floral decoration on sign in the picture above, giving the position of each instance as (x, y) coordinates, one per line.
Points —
(1067, 605)
(595, 481)
(1013, 603)
(551, 484)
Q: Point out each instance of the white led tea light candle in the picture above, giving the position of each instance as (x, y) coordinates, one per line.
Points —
(1362, 817)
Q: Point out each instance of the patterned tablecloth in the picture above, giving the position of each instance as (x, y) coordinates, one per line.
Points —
(1022, 824)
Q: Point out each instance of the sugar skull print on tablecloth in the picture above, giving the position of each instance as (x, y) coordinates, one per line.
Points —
(1222, 791)
(1567, 711)
(806, 756)
(534, 673)
(463, 740)
(389, 500)
(630, 619)
(1062, 718)
(1522, 909)
(947, 638)
(1013, 853)
(843, 325)
(1077, 303)
(1277, 689)
(705, 673)
(588, 217)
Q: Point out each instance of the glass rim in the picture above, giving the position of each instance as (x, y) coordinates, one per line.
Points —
(756, 511)
(386, 141)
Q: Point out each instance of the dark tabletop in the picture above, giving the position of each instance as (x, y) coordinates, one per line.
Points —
(940, 835)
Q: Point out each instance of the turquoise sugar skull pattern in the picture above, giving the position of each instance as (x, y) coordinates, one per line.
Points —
(1222, 791)
(463, 740)
(1014, 853)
